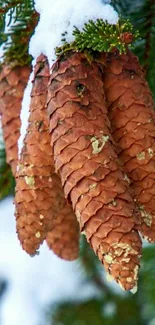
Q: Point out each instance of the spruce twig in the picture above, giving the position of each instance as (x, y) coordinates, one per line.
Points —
(23, 19)
(7, 182)
(101, 36)
(8, 6)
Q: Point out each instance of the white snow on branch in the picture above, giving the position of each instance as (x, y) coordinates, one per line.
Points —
(57, 17)
(25, 112)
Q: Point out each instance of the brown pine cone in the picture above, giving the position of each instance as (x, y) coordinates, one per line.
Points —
(64, 237)
(40, 202)
(12, 85)
(132, 116)
(90, 173)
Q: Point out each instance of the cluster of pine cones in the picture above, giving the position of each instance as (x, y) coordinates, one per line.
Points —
(88, 160)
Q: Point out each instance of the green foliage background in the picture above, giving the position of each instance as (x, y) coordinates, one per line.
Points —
(110, 306)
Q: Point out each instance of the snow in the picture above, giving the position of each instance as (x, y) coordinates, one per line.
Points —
(62, 16)
(34, 282)
(1, 52)
(25, 111)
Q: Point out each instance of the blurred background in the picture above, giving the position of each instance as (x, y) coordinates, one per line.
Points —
(44, 290)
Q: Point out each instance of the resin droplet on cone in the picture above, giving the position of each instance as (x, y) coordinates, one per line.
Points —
(12, 85)
(90, 173)
(132, 116)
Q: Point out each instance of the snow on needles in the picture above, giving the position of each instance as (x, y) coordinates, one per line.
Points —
(57, 17)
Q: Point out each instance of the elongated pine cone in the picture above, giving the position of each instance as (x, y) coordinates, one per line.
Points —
(63, 239)
(39, 196)
(12, 85)
(90, 173)
(132, 116)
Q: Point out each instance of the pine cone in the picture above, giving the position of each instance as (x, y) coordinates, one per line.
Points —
(12, 84)
(39, 196)
(64, 237)
(87, 162)
(132, 118)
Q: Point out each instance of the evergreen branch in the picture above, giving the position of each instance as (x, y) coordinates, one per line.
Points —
(23, 19)
(15, 9)
(92, 268)
(77, 313)
(148, 36)
(16, 52)
(8, 6)
(7, 182)
(19, 5)
(101, 36)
